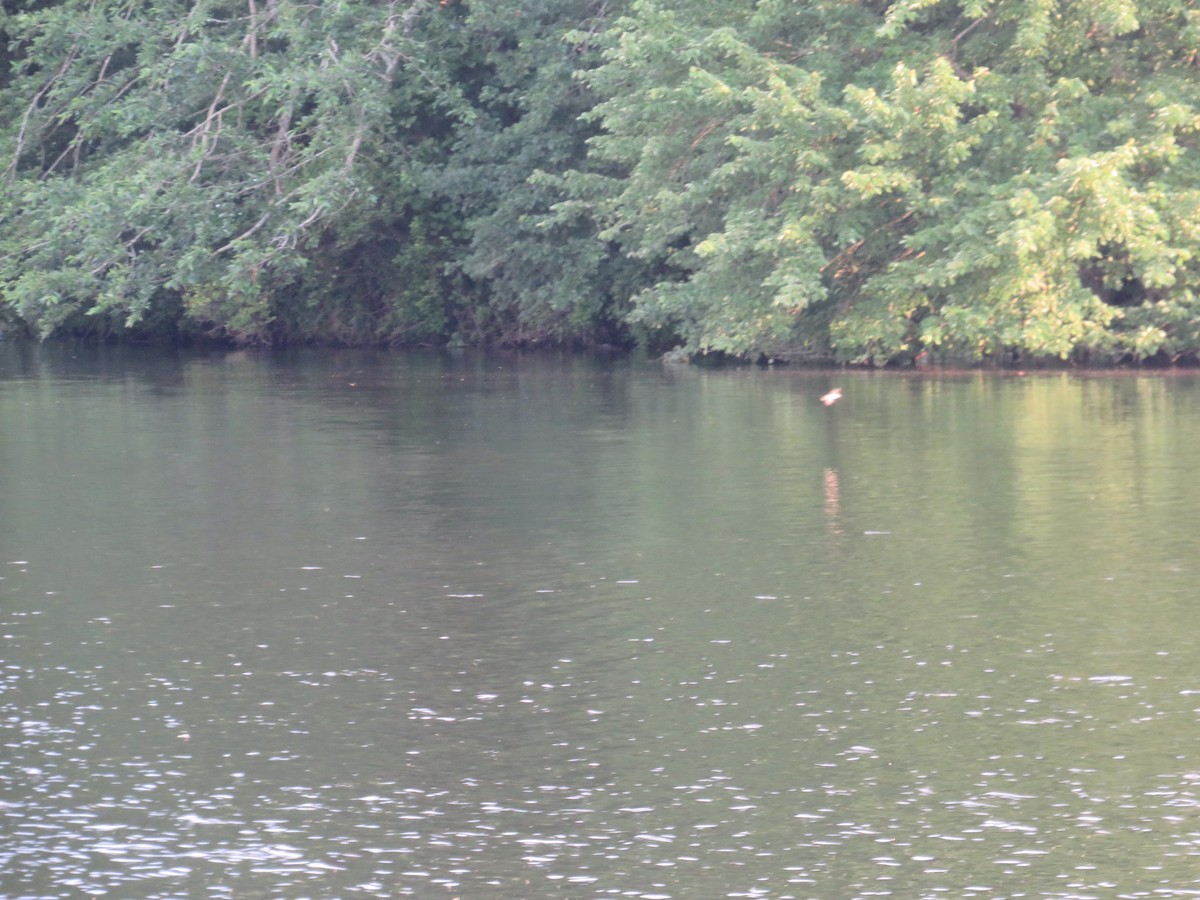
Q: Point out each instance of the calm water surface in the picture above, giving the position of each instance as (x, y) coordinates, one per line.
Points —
(347, 625)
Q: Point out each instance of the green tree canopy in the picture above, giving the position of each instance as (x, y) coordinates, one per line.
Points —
(876, 180)
(867, 180)
(270, 169)
(195, 150)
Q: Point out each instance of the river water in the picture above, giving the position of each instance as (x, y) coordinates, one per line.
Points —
(365, 625)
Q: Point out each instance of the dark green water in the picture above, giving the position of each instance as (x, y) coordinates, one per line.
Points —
(346, 625)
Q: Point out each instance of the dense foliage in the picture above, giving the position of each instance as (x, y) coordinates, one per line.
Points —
(864, 180)
(272, 170)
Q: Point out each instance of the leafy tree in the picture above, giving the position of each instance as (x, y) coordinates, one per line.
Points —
(872, 180)
(977, 178)
(538, 278)
(269, 170)
(193, 148)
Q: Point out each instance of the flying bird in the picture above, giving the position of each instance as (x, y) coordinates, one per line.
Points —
(832, 397)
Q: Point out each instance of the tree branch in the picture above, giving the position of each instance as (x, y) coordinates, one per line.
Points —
(11, 171)
(245, 234)
(213, 115)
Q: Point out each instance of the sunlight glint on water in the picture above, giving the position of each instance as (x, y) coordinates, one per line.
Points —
(369, 625)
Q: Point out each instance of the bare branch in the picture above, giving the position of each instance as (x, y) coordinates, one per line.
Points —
(11, 171)
(245, 234)
(252, 34)
(958, 37)
(280, 146)
(214, 115)
(354, 146)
